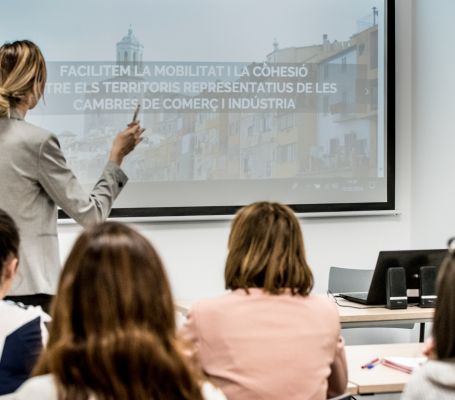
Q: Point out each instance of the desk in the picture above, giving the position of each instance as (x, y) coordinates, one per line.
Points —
(379, 379)
(363, 316)
(352, 388)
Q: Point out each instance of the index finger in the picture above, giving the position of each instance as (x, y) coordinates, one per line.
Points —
(140, 132)
(133, 129)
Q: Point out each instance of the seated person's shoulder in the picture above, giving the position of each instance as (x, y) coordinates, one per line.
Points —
(23, 320)
(322, 301)
(213, 303)
(38, 387)
(21, 312)
(22, 336)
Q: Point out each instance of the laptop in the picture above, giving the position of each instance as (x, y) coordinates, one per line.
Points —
(411, 261)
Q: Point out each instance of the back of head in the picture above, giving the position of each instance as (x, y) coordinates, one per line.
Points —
(113, 330)
(9, 239)
(444, 317)
(266, 251)
(22, 72)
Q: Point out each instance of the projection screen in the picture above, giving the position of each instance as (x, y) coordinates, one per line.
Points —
(243, 100)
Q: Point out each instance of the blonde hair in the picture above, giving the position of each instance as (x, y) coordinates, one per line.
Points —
(22, 71)
(266, 251)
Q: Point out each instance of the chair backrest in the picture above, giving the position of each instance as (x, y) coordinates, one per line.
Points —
(349, 279)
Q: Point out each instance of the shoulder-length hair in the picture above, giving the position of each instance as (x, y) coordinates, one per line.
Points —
(22, 71)
(444, 316)
(266, 251)
(113, 331)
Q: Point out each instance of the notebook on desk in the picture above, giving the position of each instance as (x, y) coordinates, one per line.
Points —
(410, 260)
(404, 364)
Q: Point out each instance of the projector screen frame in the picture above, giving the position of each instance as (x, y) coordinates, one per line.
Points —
(329, 208)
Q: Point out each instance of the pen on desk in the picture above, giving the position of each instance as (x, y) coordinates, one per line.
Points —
(370, 364)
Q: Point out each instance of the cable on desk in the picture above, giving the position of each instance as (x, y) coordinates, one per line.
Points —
(334, 299)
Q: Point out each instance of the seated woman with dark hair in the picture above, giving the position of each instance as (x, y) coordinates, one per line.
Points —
(22, 330)
(269, 338)
(436, 379)
(113, 332)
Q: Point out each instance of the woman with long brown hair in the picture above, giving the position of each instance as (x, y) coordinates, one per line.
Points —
(36, 178)
(268, 338)
(113, 331)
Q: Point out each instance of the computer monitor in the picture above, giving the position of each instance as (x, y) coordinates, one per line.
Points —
(411, 261)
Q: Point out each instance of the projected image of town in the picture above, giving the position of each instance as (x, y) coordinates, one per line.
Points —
(238, 98)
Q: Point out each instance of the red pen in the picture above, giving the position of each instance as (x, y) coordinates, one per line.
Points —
(370, 364)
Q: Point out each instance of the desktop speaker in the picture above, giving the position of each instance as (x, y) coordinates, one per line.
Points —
(396, 288)
(428, 286)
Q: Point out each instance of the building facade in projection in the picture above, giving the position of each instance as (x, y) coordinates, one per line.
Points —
(331, 135)
(129, 49)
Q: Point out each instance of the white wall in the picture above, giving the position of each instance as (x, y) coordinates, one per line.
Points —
(194, 252)
(433, 194)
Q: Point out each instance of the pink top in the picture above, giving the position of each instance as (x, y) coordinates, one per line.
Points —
(269, 347)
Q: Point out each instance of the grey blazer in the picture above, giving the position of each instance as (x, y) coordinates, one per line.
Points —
(34, 180)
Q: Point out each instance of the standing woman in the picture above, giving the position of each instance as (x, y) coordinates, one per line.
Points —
(35, 177)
